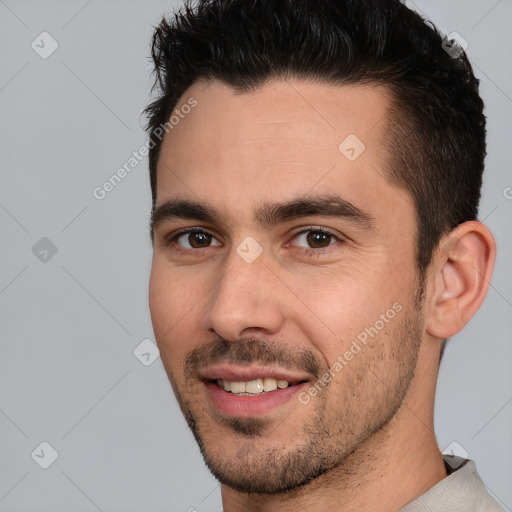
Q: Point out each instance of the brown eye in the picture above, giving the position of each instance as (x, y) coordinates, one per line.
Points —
(315, 239)
(196, 240)
(199, 240)
(318, 239)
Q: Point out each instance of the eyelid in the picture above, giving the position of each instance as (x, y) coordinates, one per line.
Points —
(321, 229)
(171, 237)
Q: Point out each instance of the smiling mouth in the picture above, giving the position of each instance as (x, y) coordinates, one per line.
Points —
(254, 387)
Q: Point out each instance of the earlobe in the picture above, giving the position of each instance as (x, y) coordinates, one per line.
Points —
(463, 267)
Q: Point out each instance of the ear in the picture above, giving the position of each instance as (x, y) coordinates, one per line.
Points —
(460, 278)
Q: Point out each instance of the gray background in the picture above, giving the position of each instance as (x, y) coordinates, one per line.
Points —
(70, 324)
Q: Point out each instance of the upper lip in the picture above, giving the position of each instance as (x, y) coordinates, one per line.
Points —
(235, 373)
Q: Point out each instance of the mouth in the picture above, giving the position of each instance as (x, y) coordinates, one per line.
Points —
(246, 392)
(254, 387)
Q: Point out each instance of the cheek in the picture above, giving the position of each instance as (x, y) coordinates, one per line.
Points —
(171, 294)
(342, 308)
(160, 301)
(172, 314)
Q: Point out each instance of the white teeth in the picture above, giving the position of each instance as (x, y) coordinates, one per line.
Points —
(252, 387)
(237, 387)
(269, 384)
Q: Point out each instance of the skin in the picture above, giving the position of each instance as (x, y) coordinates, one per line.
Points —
(366, 440)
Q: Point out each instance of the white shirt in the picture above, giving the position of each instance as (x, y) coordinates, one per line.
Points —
(461, 491)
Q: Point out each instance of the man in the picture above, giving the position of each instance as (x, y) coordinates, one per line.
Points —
(316, 170)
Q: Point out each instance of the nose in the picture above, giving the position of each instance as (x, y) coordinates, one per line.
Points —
(246, 299)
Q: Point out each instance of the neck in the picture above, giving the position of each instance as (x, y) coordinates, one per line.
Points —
(388, 470)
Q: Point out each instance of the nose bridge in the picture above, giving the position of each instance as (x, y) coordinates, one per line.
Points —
(245, 297)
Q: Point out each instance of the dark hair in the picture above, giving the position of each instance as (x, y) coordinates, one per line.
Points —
(436, 128)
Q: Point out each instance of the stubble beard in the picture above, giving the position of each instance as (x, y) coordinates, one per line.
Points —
(375, 384)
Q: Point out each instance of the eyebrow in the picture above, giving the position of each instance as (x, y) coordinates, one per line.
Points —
(267, 215)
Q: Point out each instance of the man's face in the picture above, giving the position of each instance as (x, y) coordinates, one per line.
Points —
(281, 255)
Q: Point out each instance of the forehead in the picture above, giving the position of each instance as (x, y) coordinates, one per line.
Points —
(280, 141)
(287, 115)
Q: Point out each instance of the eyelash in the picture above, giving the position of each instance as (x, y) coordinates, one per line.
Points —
(311, 251)
(301, 250)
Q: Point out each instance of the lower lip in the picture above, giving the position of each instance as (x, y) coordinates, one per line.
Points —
(245, 406)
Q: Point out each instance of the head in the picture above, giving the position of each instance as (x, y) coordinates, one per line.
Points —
(314, 220)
